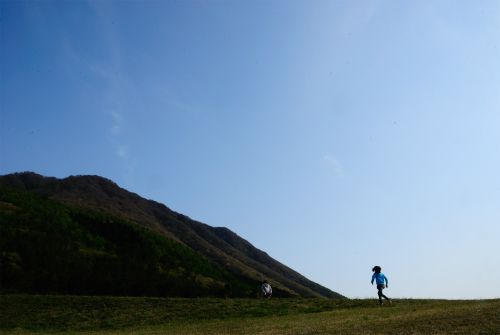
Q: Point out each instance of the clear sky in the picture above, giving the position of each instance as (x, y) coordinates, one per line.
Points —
(333, 135)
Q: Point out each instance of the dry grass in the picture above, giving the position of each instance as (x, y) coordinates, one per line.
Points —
(101, 315)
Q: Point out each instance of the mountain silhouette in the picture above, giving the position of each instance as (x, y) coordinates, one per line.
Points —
(217, 244)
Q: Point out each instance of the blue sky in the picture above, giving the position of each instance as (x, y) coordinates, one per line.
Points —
(334, 135)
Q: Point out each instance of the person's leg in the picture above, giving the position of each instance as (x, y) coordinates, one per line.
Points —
(381, 295)
(380, 287)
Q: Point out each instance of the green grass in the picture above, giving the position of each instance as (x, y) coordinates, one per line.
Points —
(27, 314)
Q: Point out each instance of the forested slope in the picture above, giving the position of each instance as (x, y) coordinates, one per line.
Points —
(48, 247)
(219, 245)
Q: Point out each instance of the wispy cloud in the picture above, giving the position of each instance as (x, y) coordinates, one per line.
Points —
(115, 130)
(117, 122)
(103, 72)
(333, 164)
(122, 151)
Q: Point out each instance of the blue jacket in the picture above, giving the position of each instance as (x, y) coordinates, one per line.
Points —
(380, 278)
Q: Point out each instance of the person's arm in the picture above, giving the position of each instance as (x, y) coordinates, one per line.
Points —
(373, 277)
(386, 282)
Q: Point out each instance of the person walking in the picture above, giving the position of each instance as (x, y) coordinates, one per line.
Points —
(267, 290)
(381, 279)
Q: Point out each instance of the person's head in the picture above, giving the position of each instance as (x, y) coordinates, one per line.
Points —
(377, 269)
(264, 282)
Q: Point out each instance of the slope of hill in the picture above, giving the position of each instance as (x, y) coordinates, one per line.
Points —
(47, 247)
(219, 245)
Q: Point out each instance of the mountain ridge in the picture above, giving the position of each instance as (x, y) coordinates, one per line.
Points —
(218, 244)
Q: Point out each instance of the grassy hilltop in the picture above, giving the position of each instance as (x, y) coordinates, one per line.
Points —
(28, 314)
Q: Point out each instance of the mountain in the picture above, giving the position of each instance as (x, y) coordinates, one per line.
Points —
(216, 244)
(47, 247)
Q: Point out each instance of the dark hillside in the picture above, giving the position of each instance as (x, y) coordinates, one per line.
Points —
(51, 248)
(219, 245)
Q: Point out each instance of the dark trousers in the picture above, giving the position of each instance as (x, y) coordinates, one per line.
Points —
(380, 294)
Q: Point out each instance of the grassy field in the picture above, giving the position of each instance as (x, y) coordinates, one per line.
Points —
(25, 314)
